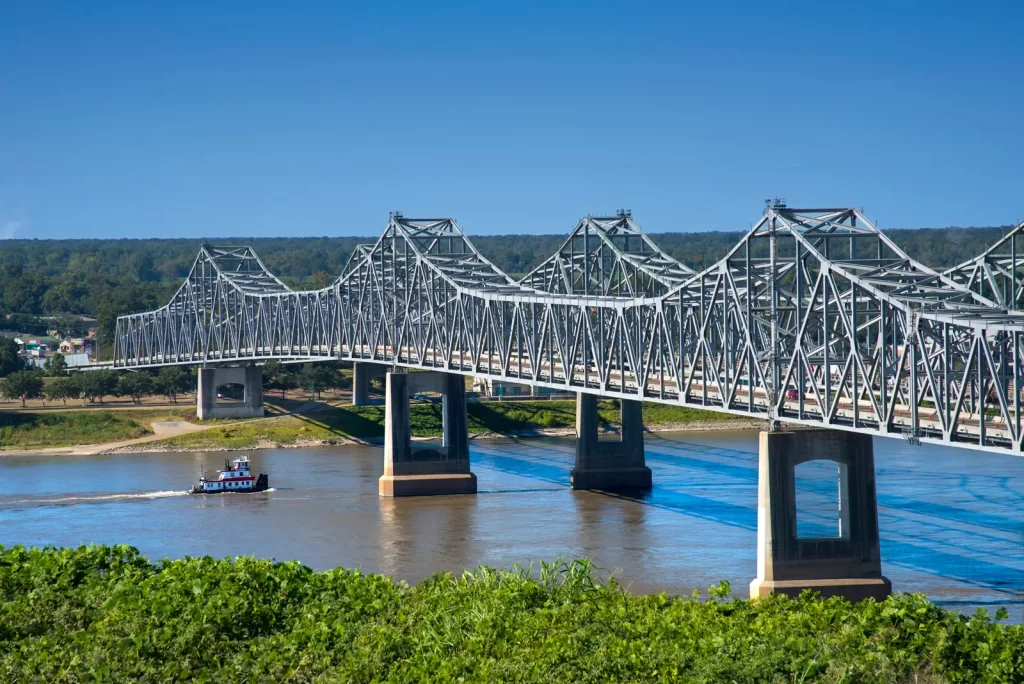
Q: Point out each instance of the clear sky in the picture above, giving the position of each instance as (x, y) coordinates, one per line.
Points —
(209, 119)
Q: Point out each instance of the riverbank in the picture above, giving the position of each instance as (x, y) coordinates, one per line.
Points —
(25, 432)
(338, 424)
(227, 442)
(91, 431)
(112, 615)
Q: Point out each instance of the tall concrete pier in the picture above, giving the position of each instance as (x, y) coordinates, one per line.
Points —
(362, 373)
(848, 564)
(249, 377)
(608, 464)
(419, 471)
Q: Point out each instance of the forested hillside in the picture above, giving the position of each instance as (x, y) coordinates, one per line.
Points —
(106, 277)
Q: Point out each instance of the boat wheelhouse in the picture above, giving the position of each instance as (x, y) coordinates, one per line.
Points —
(236, 477)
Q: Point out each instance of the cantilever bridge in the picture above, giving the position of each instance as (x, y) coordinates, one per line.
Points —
(815, 317)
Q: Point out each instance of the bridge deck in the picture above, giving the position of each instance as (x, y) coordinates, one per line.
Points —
(815, 317)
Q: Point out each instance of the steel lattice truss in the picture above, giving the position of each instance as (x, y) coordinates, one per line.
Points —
(608, 256)
(359, 254)
(229, 308)
(815, 317)
(998, 273)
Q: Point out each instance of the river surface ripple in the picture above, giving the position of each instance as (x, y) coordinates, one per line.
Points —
(952, 521)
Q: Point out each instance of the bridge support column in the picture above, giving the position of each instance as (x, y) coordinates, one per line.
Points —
(362, 373)
(251, 380)
(420, 471)
(609, 464)
(847, 565)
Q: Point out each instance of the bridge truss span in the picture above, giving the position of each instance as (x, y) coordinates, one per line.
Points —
(814, 317)
(230, 308)
(998, 272)
(608, 256)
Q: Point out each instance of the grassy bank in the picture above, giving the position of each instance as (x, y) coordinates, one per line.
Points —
(107, 614)
(72, 427)
(367, 422)
(21, 430)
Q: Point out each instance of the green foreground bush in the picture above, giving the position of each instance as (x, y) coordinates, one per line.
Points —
(107, 614)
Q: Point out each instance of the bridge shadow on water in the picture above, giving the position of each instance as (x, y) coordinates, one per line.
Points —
(934, 519)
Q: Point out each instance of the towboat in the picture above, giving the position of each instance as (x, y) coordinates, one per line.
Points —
(236, 477)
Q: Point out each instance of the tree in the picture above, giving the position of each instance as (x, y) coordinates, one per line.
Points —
(9, 359)
(172, 381)
(135, 385)
(62, 389)
(55, 365)
(66, 324)
(271, 369)
(107, 319)
(65, 293)
(88, 383)
(319, 376)
(23, 385)
(98, 384)
(275, 377)
(107, 380)
(285, 382)
(320, 280)
(23, 294)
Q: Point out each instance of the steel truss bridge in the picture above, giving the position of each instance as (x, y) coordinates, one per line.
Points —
(815, 317)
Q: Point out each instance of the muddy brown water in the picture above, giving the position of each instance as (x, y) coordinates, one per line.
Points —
(952, 521)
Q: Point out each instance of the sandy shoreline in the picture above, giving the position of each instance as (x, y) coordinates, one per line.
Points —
(143, 445)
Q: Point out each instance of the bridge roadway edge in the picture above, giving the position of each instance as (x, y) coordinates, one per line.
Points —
(786, 312)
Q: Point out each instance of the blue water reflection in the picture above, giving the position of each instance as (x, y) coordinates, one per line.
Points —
(951, 521)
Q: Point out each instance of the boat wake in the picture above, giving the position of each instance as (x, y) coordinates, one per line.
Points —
(76, 499)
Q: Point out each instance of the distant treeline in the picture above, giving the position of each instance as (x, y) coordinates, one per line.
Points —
(104, 278)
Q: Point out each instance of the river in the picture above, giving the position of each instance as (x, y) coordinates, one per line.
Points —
(952, 520)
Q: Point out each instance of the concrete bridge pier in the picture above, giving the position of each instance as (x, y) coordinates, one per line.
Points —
(604, 464)
(362, 373)
(848, 564)
(249, 377)
(426, 470)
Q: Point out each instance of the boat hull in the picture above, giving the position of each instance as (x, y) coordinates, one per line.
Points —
(262, 485)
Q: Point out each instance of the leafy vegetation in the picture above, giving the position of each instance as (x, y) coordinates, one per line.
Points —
(62, 389)
(96, 385)
(27, 430)
(22, 385)
(312, 376)
(106, 614)
(172, 381)
(55, 365)
(136, 386)
(41, 430)
(9, 359)
(665, 415)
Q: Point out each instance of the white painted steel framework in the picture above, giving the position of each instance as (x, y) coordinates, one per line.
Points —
(608, 256)
(814, 317)
(998, 272)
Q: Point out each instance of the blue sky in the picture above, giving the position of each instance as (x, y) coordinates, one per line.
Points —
(208, 119)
